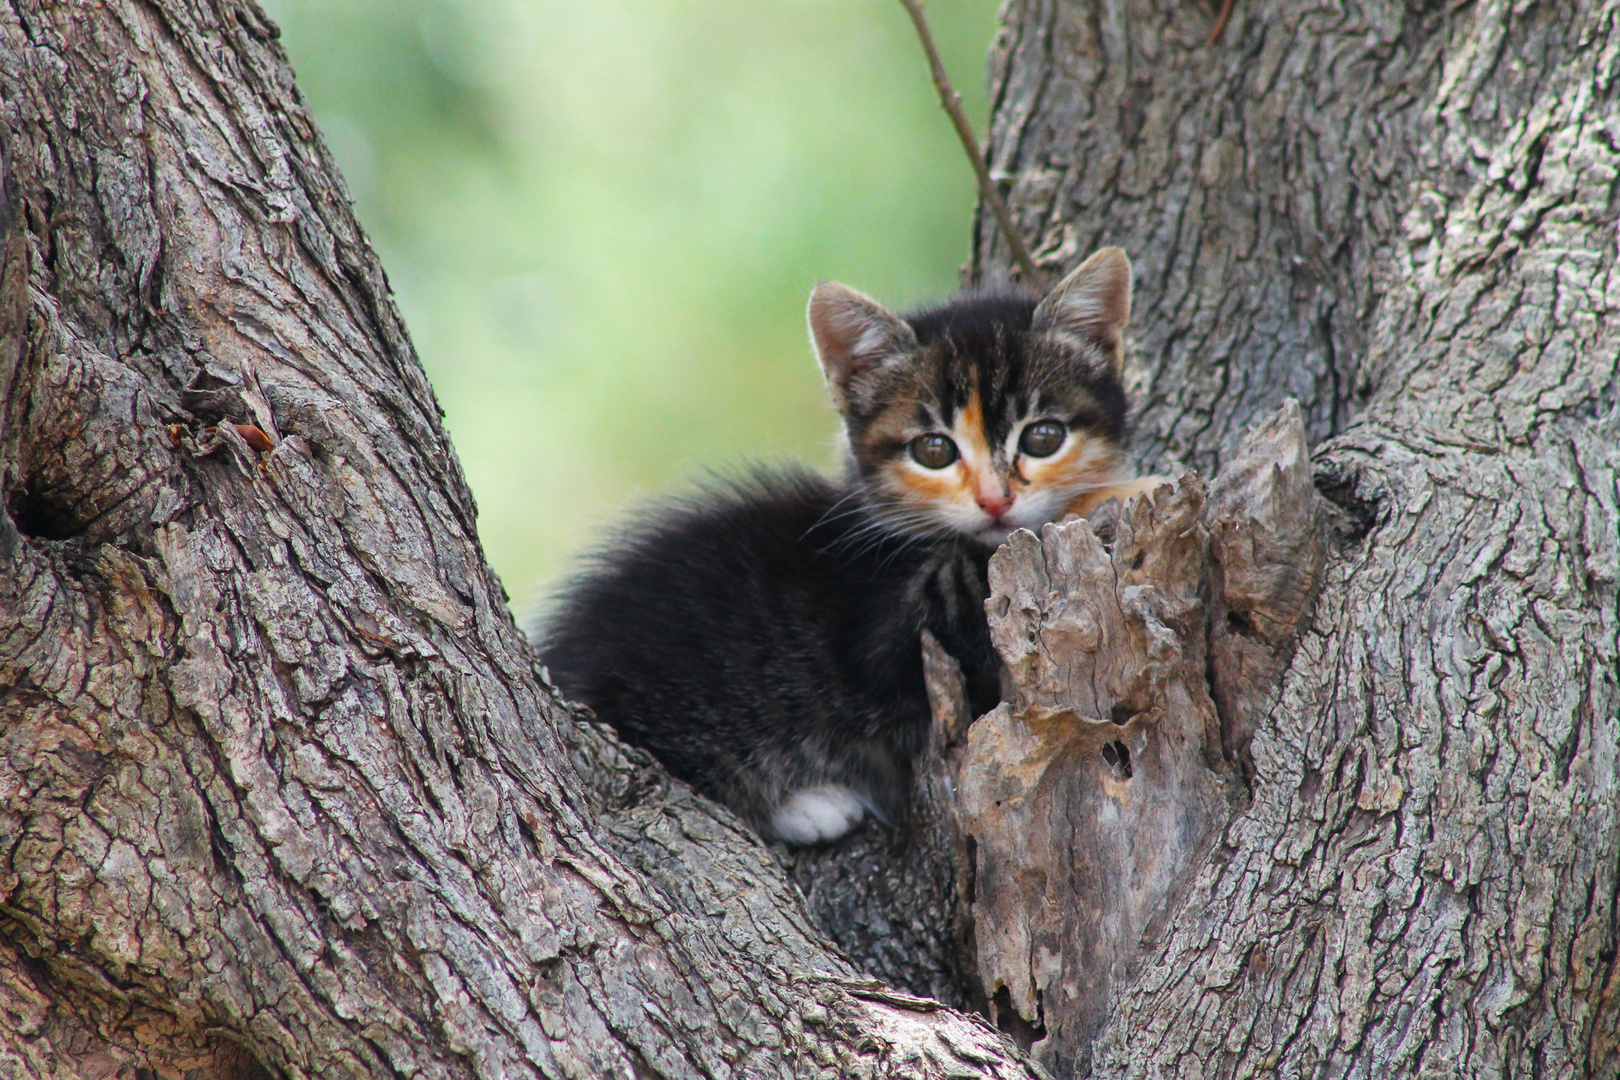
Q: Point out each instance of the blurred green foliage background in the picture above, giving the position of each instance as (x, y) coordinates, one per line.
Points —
(602, 219)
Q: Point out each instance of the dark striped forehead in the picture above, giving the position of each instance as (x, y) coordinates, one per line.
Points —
(977, 354)
(977, 347)
(974, 322)
(981, 347)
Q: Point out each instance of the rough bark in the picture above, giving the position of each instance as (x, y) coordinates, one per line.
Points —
(1405, 216)
(280, 787)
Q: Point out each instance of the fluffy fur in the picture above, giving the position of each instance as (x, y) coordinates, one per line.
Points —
(762, 637)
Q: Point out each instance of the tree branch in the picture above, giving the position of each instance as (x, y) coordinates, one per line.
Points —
(952, 103)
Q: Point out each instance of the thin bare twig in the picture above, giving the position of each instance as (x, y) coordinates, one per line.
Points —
(952, 101)
(1220, 24)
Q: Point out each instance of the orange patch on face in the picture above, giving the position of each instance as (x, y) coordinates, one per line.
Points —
(970, 426)
(930, 487)
(1059, 468)
(961, 484)
(980, 476)
(1084, 461)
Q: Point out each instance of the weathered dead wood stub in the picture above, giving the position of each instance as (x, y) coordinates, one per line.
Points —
(1139, 665)
(1267, 548)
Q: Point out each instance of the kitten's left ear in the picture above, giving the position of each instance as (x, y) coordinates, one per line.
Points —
(853, 334)
(1091, 306)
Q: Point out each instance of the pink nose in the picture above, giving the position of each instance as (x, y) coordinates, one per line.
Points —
(996, 505)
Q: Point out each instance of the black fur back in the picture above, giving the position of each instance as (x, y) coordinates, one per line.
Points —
(762, 637)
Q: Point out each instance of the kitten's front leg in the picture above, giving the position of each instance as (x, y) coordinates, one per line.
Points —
(1090, 500)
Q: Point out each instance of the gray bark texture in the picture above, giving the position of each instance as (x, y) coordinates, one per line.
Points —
(281, 791)
(1405, 216)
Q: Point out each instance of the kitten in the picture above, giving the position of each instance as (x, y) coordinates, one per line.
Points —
(762, 638)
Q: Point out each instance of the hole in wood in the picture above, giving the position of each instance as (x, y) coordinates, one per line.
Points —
(1117, 756)
(1023, 1032)
(1357, 512)
(1120, 714)
(42, 514)
(1240, 623)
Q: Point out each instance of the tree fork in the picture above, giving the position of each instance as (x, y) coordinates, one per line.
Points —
(280, 784)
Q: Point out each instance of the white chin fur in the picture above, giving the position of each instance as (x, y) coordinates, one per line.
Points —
(818, 815)
(995, 535)
(1031, 514)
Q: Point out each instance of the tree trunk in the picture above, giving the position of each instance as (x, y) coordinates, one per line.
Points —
(282, 789)
(1405, 217)
(281, 786)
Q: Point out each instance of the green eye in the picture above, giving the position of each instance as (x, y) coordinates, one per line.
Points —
(1042, 439)
(933, 451)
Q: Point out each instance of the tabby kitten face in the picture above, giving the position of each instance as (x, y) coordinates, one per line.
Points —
(985, 415)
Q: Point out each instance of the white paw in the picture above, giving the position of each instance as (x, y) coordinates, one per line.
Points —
(817, 815)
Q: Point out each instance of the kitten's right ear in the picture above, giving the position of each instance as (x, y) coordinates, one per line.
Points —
(853, 334)
(1092, 305)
